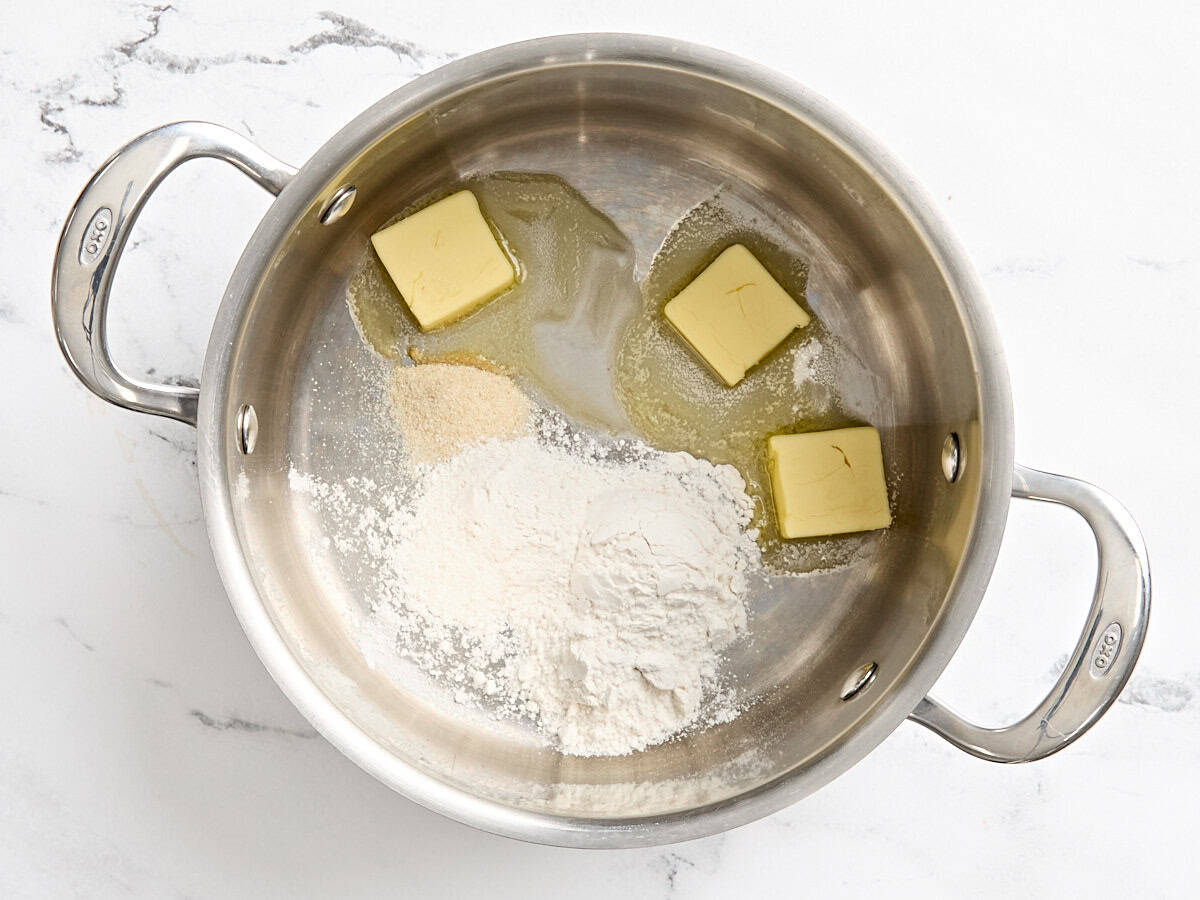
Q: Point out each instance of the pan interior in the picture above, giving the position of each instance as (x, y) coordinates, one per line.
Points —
(644, 144)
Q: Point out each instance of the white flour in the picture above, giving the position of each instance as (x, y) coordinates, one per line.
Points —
(589, 589)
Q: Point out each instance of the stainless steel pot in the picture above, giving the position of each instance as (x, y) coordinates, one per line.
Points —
(645, 128)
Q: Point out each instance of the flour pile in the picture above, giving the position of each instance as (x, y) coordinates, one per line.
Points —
(588, 588)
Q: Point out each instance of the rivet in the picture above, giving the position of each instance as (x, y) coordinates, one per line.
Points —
(247, 429)
(860, 679)
(338, 205)
(951, 458)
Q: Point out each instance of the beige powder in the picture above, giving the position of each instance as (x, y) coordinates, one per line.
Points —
(443, 408)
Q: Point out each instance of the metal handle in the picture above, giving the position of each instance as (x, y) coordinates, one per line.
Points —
(1107, 650)
(95, 235)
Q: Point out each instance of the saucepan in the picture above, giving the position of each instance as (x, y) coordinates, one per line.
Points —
(645, 128)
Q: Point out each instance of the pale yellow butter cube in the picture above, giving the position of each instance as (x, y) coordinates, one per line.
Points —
(444, 260)
(828, 482)
(734, 313)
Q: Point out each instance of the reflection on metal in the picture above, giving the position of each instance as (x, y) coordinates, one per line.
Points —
(952, 457)
(247, 429)
(860, 679)
(338, 205)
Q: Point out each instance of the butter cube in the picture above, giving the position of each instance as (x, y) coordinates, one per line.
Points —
(734, 313)
(444, 260)
(828, 482)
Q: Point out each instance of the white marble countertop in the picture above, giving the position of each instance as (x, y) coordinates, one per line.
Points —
(144, 750)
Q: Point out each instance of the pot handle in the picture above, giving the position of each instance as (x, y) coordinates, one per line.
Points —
(1107, 650)
(94, 237)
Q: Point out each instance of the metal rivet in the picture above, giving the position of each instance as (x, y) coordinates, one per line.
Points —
(339, 204)
(247, 429)
(860, 679)
(951, 457)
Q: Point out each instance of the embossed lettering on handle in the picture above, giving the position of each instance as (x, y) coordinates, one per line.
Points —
(1107, 648)
(95, 236)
